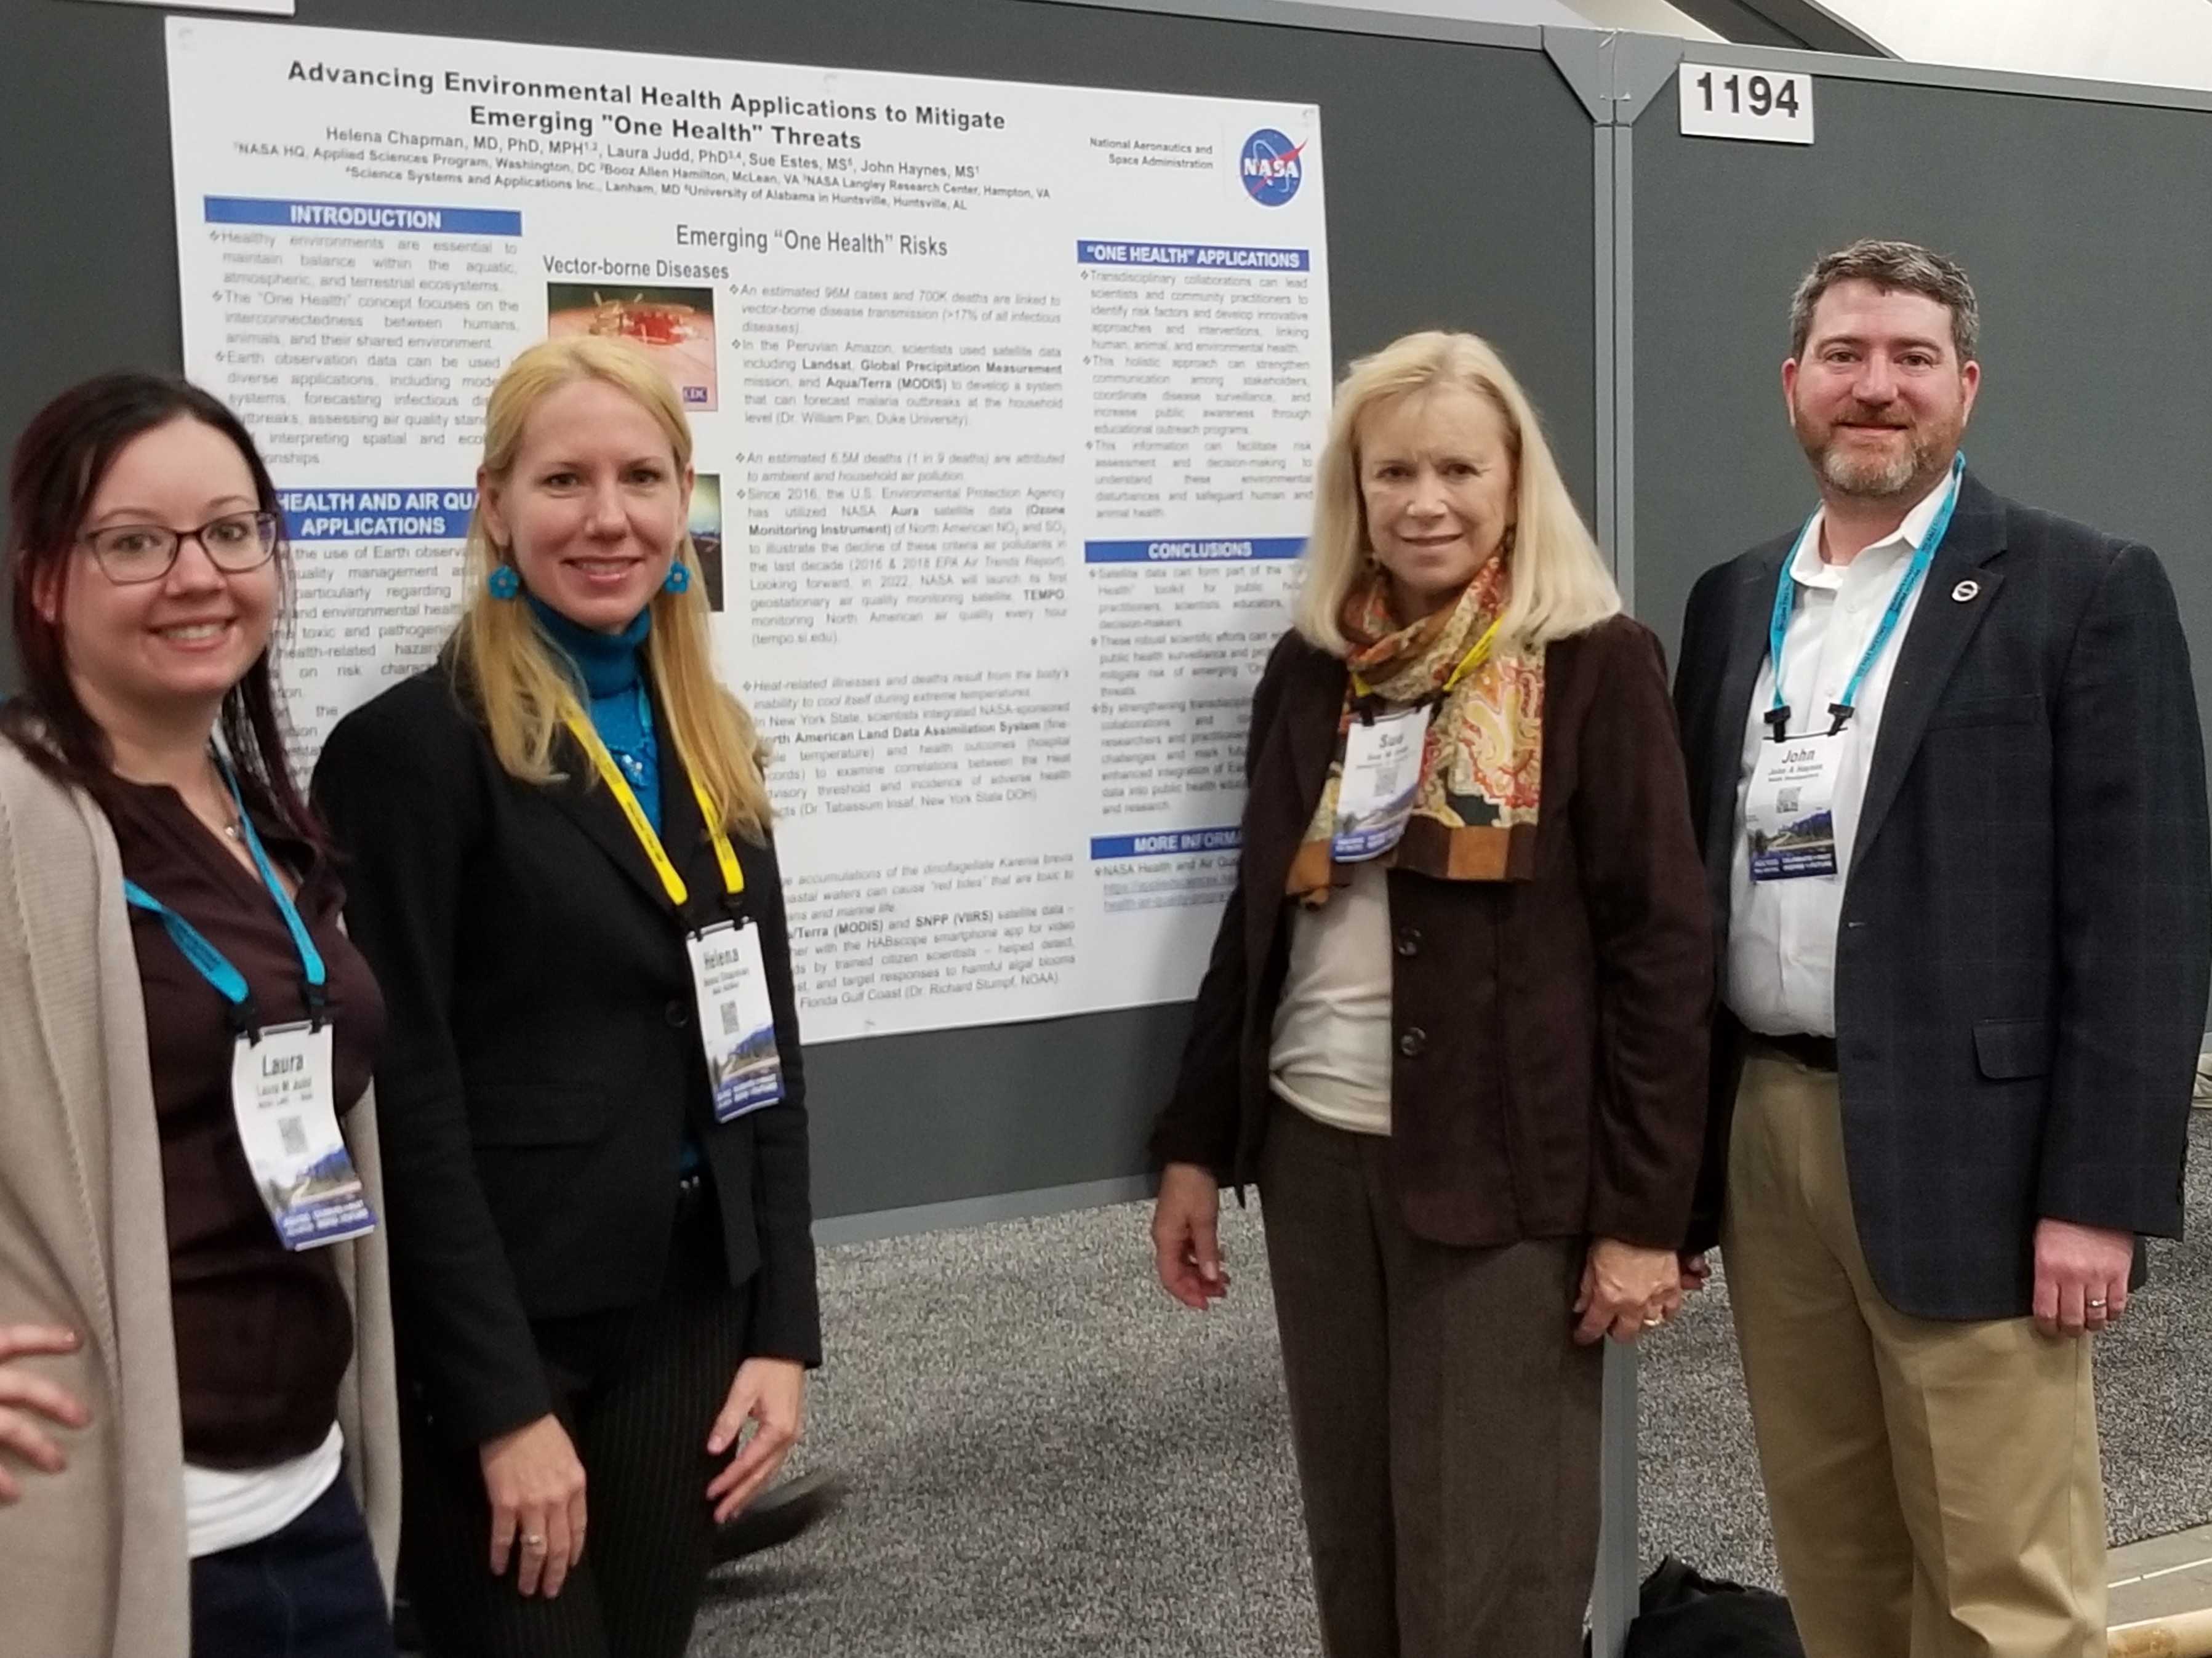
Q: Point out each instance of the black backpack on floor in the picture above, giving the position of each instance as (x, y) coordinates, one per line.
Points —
(1682, 1615)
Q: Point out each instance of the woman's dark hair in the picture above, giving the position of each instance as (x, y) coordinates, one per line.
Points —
(59, 462)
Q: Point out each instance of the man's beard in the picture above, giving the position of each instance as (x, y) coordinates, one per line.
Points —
(1871, 476)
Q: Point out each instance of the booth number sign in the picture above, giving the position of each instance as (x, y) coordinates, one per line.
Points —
(1721, 101)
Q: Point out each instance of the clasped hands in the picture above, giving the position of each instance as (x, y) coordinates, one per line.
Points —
(1628, 1290)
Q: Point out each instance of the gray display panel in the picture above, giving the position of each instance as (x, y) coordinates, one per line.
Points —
(1460, 192)
(2073, 217)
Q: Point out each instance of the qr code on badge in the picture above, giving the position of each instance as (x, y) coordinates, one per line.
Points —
(729, 1016)
(1785, 800)
(288, 1129)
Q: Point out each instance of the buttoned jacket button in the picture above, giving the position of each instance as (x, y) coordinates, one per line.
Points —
(677, 1015)
(1409, 941)
(1412, 1040)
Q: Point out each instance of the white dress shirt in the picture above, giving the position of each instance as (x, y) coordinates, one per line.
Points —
(1782, 934)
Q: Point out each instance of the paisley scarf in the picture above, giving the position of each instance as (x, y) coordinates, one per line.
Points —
(1474, 813)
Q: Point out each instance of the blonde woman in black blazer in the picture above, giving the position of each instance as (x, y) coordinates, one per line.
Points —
(598, 1283)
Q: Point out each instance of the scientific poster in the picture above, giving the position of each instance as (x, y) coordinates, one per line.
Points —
(1006, 399)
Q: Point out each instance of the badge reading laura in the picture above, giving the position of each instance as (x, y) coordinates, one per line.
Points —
(281, 1093)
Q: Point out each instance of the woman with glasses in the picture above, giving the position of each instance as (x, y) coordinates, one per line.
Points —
(196, 1407)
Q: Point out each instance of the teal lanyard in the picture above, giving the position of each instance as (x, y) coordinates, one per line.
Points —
(217, 968)
(1785, 602)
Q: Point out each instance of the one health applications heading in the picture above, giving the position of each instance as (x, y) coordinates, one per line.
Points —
(364, 215)
(1199, 256)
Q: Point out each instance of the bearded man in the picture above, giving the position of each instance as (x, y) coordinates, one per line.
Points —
(1945, 768)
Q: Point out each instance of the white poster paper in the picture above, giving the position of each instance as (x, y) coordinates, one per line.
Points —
(1007, 398)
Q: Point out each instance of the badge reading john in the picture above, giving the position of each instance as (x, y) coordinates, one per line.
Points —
(737, 1021)
(1787, 816)
(282, 1094)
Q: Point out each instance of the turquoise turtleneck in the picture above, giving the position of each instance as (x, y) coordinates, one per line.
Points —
(611, 670)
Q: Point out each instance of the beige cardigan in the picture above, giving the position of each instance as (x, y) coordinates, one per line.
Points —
(92, 1560)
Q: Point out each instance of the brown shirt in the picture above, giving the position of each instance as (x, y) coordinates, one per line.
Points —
(1548, 1036)
(264, 1334)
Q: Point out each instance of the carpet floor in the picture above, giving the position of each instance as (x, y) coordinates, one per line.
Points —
(1045, 1456)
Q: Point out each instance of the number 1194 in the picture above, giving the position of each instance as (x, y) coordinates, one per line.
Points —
(1754, 94)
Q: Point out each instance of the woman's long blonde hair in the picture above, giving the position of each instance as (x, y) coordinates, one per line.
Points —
(526, 693)
(1561, 585)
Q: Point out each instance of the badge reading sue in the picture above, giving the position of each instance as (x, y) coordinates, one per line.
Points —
(1787, 816)
(281, 1092)
(737, 1021)
(1382, 775)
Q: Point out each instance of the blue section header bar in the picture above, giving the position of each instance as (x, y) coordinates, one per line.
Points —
(1199, 256)
(363, 216)
(1215, 550)
(377, 515)
(1166, 843)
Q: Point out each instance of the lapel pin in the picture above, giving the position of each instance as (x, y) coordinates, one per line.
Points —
(1965, 590)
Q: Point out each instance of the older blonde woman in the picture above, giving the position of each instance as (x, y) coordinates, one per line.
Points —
(603, 1267)
(1454, 1022)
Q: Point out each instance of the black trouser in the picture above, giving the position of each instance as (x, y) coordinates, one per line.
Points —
(309, 1591)
(637, 1391)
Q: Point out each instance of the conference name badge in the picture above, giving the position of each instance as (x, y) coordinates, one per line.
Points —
(1382, 777)
(737, 1021)
(1789, 814)
(282, 1095)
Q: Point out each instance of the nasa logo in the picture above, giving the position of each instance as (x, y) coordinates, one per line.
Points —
(1269, 167)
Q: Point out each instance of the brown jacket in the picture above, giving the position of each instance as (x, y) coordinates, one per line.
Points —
(1551, 1034)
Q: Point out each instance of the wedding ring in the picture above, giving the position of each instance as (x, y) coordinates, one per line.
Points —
(1654, 1323)
(2097, 1305)
(533, 1542)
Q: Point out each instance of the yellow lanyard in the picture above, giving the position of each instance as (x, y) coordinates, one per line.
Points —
(733, 878)
(1474, 658)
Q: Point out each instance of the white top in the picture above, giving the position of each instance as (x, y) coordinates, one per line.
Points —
(1331, 1048)
(229, 1508)
(1782, 934)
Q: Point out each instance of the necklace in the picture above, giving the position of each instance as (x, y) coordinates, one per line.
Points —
(226, 807)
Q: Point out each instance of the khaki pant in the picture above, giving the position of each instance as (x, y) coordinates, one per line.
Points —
(1934, 1487)
(1445, 1424)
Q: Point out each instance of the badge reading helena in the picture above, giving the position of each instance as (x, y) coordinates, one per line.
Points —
(729, 981)
(282, 1094)
(1382, 777)
(1787, 816)
(737, 1022)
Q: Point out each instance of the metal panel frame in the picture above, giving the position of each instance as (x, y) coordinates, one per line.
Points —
(1340, 20)
(1618, 76)
(1955, 77)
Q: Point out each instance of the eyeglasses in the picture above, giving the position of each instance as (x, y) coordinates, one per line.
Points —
(129, 553)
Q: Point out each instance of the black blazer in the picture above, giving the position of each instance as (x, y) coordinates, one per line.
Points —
(2026, 931)
(543, 1060)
